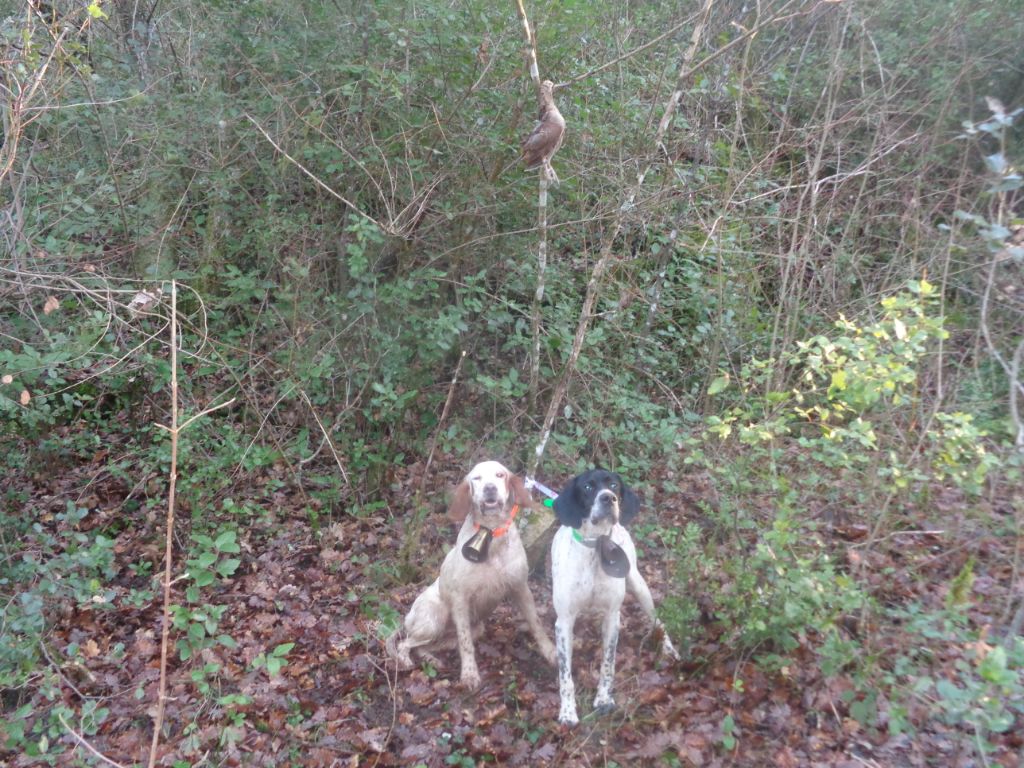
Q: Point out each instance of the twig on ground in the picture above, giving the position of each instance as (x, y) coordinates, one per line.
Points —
(82, 740)
(327, 436)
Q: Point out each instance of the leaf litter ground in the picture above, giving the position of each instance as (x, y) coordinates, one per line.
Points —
(338, 702)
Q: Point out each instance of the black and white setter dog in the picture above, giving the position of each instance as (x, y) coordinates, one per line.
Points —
(474, 578)
(593, 564)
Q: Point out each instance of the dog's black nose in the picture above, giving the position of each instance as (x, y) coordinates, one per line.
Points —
(490, 491)
(605, 506)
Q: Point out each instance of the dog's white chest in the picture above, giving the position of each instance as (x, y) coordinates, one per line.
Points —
(579, 583)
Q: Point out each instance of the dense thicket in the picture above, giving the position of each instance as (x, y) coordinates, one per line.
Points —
(812, 310)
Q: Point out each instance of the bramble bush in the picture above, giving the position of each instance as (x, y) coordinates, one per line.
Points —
(765, 560)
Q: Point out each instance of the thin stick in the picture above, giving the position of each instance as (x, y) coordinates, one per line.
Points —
(530, 53)
(389, 229)
(327, 437)
(81, 740)
(441, 421)
(531, 44)
(165, 629)
(604, 260)
(538, 295)
(629, 54)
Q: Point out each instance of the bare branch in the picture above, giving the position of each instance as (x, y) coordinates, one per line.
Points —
(530, 44)
(81, 740)
(384, 228)
(165, 629)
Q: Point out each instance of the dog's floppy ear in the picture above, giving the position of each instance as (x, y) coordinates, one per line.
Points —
(629, 506)
(520, 495)
(568, 508)
(462, 503)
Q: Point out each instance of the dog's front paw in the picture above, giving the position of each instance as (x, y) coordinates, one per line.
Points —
(470, 679)
(668, 649)
(567, 714)
(399, 652)
(604, 705)
(549, 654)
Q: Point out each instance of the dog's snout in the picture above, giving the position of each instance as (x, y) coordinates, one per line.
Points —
(605, 507)
(490, 491)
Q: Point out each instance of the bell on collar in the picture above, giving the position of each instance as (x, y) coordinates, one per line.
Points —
(475, 550)
(613, 557)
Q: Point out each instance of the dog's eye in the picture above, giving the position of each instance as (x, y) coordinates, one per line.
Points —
(500, 475)
(613, 486)
(588, 487)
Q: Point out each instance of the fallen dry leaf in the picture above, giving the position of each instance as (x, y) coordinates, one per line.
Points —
(6, 379)
(51, 305)
(25, 397)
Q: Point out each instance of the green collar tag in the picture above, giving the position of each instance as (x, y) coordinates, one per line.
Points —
(577, 536)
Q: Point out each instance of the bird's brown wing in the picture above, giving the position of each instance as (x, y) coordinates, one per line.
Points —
(542, 142)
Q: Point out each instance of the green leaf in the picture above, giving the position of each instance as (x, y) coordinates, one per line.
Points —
(206, 559)
(728, 728)
(95, 11)
(225, 540)
(283, 649)
(718, 384)
(948, 691)
(996, 163)
(838, 383)
(993, 668)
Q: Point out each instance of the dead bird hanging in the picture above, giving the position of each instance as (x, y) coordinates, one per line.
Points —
(540, 146)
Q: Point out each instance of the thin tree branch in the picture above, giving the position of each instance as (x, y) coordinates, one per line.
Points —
(165, 629)
(531, 44)
(81, 740)
(604, 260)
(608, 65)
(441, 421)
(383, 228)
(327, 437)
(533, 386)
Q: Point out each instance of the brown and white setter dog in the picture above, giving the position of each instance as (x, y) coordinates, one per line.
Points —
(452, 609)
(593, 565)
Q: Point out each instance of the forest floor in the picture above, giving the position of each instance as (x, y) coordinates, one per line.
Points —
(337, 702)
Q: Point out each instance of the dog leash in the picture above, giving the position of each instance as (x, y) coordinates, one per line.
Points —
(532, 483)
